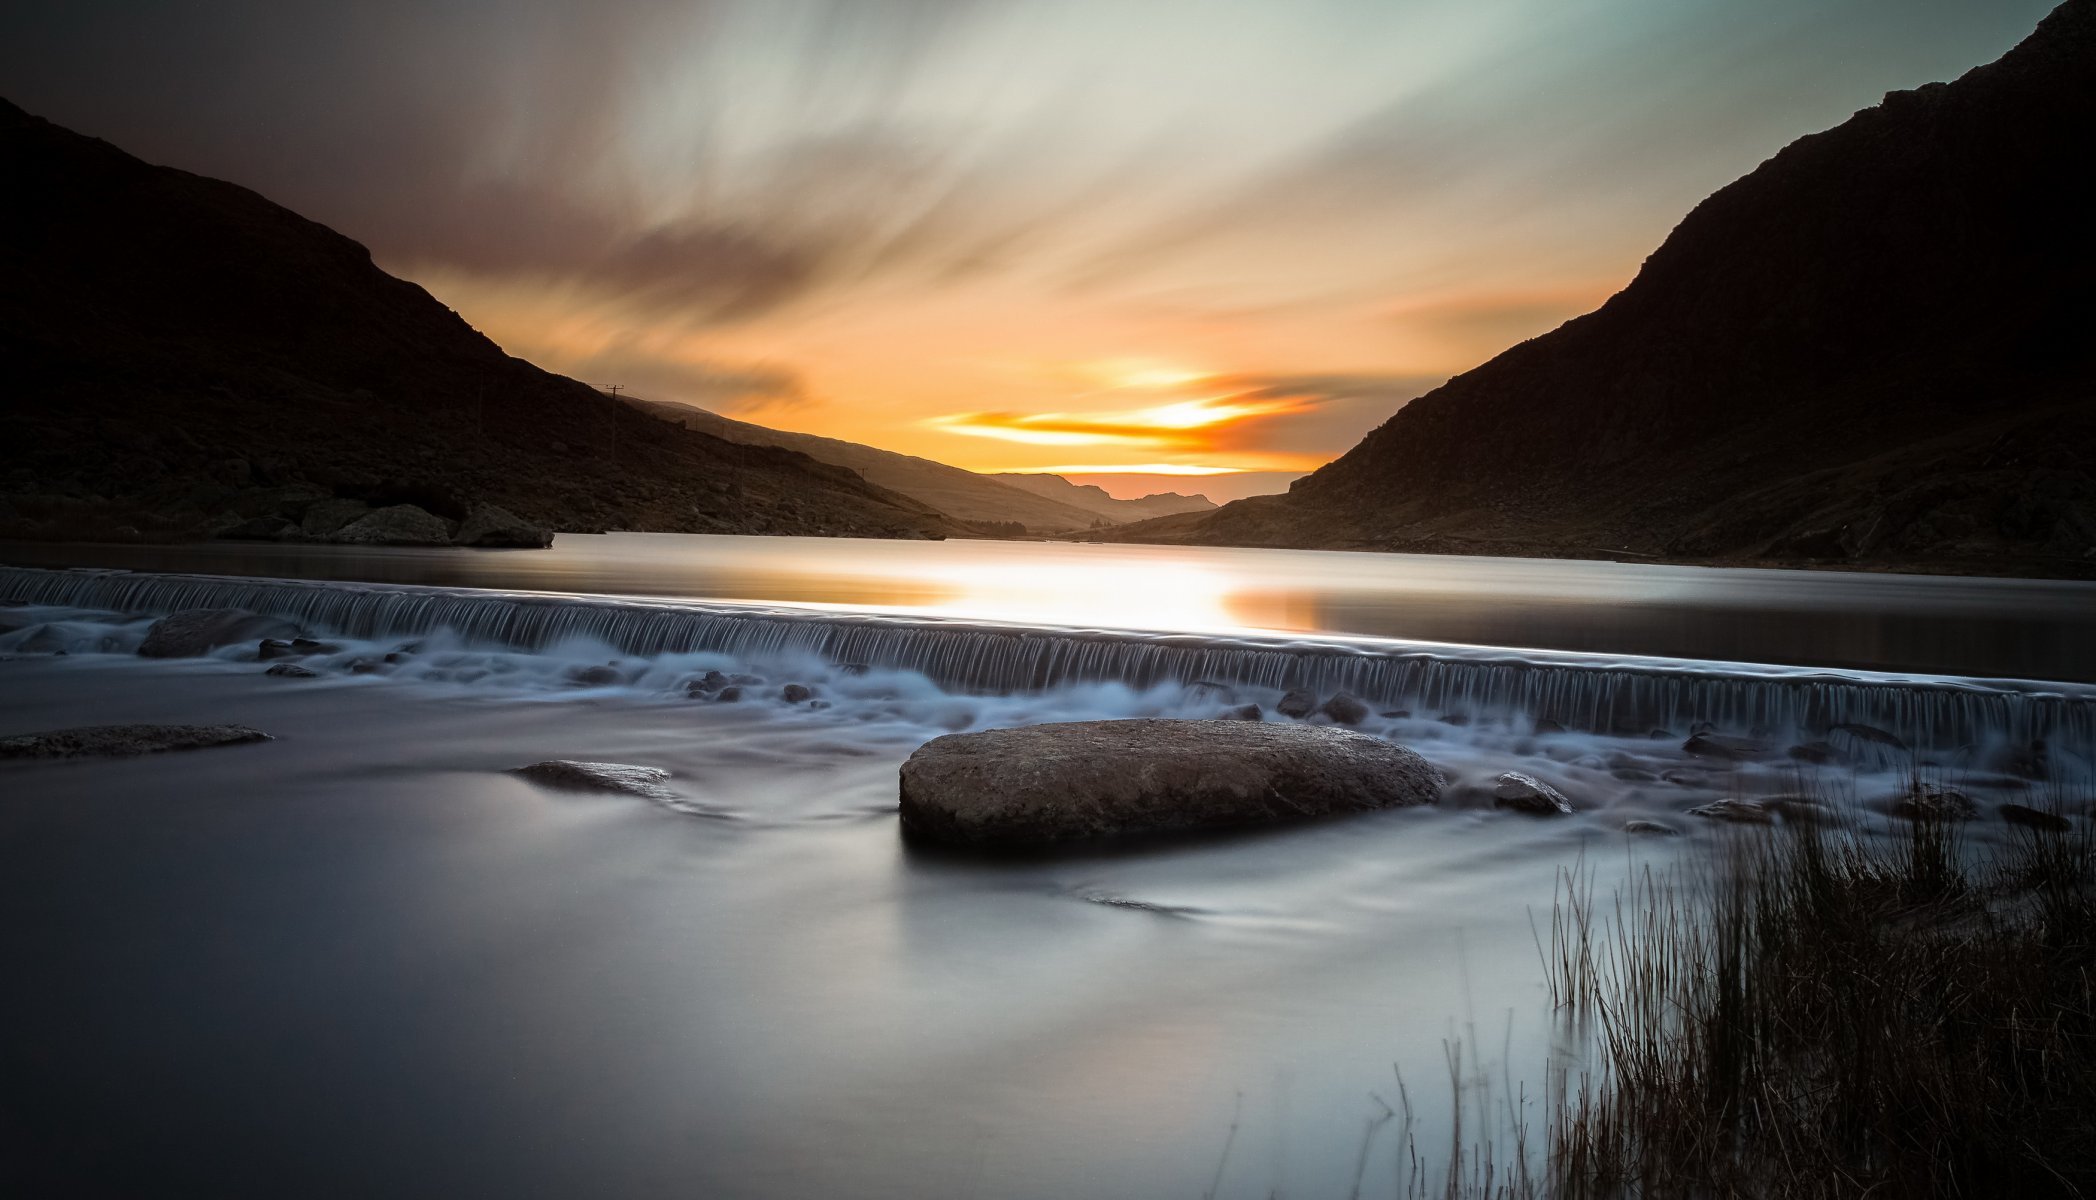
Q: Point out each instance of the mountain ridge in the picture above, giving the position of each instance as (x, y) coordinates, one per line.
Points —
(187, 356)
(1869, 351)
(986, 500)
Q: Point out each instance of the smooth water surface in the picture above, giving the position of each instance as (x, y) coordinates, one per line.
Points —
(2002, 628)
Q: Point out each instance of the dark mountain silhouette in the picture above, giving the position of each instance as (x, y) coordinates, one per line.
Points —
(982, 500)
(1875, 349)
(182, 356)
(1093, 498)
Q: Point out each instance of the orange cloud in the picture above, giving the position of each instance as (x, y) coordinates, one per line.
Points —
(1188, 425)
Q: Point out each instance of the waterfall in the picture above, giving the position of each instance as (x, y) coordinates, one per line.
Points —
(1593, 693)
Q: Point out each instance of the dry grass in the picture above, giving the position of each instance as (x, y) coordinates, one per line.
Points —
(1837, 1017)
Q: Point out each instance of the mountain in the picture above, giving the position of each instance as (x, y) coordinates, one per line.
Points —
(1093, 498)
(983, 500)
(1875, 349)
(182, 356)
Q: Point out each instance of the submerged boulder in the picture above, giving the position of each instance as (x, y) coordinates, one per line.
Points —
(1092, 779)
(122, 741)
(195, 631)
(490, 526)
(570, 775)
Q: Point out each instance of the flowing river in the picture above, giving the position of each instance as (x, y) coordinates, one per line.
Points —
(362, 959)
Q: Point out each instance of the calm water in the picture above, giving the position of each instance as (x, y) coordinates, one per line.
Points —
(2033, 629)
(362, 959)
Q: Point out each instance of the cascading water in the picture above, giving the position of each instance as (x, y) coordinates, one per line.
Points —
(1590, 693)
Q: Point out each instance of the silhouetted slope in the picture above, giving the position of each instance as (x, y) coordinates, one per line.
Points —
(1876, 348)
(180, 353)
(965, 495)
(1093, 498)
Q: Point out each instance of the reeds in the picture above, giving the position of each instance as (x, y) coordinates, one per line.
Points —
(1827, 1015)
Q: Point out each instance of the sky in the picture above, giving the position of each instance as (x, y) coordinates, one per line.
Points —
(1189, 245)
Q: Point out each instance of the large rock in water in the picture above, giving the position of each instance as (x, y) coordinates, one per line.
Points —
(489, 525)
(1092, 779)
(398, 525)
(118, 741)
(195, 631)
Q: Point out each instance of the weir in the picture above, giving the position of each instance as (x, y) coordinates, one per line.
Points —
(1592, 693)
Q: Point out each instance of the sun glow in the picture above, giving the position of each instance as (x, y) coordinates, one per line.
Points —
(1177, 425)
(1125, 469)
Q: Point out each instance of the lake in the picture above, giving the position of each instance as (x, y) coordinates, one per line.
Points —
(363, 958)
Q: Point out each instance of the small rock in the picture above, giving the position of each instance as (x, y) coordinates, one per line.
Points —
(120, 741)
(729, 695)
(1653, 828)
(1297, 704)
(1738, 812)
(2034, 818)
(571, 775)
(1243, 712)
(1813, 752)
(197, 631)
(285, 670)
(1209, 691)
(1526, 793)
(1456, 719)
(600, 676)
(1396, 714)
(1344, 709)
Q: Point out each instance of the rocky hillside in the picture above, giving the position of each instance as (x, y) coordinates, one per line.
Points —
(982, 500)
(1093, 498)
(183, 357)
(1873, 350)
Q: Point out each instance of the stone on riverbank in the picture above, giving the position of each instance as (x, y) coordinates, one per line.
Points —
(123, 741)
(1093, 779)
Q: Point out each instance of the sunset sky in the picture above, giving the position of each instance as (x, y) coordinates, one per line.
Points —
(1083, 235)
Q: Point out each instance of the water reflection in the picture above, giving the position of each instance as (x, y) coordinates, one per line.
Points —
(2019, 628)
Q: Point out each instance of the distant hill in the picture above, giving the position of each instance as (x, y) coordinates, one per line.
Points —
(1094, 498)
(1874, 350)
(980, 499)
(181, 356)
